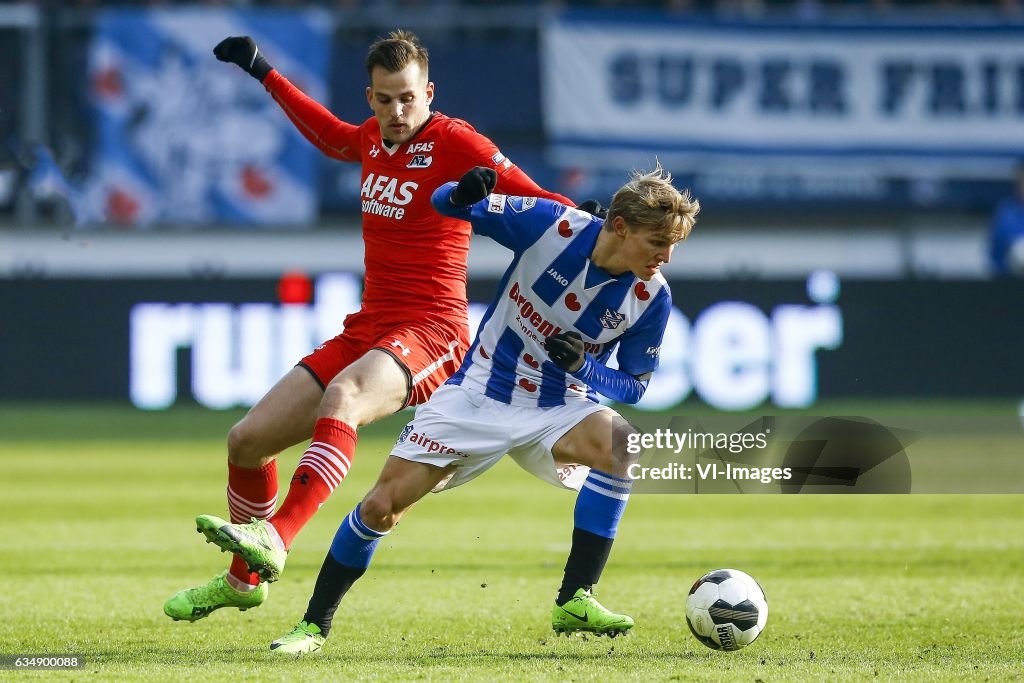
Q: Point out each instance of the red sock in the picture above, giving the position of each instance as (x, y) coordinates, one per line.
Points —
(321, 469)
(251, 493)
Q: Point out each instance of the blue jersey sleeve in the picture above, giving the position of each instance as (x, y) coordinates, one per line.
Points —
(640, 346)
(513, 222)
(615, 384)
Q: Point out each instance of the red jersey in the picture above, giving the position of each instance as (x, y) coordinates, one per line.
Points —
(415, 257)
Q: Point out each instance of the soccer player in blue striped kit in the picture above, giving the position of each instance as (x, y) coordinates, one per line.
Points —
(577, 289)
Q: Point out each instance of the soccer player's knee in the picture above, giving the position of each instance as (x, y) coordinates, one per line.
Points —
(622, 453)
(606, 460)
(244, 446)
(613, 455)
(342, 395)
(377, 510)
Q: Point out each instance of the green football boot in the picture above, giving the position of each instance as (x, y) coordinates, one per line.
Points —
(256, 542)
(584, 614)
(193, 604)
(304, 639)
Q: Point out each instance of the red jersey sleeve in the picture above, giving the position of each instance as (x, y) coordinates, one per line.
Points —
(331, 135)
(480, 151)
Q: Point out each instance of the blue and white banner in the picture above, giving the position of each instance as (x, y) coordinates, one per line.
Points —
(183, 138)
(895, 98)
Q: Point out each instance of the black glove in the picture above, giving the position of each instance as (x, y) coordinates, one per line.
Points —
(594, 208)
(566, 350)
(476, 184)
(242, 50)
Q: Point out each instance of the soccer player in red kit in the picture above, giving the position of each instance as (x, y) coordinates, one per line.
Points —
(406, 340)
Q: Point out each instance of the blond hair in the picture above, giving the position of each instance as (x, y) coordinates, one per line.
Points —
(649, 200)
(397, 51)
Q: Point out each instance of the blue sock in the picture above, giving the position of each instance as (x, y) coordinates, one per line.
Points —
(355, 542)
(599, 507)
(346, 562)
(601, 502)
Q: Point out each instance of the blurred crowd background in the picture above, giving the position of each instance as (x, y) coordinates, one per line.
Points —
(60, 76)
(757, 6)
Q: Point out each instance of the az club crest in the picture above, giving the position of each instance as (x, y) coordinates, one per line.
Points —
(420, 161)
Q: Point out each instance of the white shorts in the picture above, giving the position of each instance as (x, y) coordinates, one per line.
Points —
(473, 432)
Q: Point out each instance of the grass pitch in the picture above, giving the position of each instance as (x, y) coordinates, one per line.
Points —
(97, 529)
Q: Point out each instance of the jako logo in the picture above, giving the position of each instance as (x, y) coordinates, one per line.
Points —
(558, 277)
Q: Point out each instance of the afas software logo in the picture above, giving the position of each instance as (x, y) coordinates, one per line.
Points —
(732, 355)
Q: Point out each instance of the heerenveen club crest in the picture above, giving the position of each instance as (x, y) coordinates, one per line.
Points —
(610, 319)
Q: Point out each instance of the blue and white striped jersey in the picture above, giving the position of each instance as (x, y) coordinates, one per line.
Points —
(551, 286)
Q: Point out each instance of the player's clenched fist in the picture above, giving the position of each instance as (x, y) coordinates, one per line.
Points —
(476, 184)
(566, 350)
(242, 50)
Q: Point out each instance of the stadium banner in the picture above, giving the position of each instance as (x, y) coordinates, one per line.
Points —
(897, 99)
(732, 344)
(183, 138)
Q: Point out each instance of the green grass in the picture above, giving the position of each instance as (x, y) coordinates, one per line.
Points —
(97, 532)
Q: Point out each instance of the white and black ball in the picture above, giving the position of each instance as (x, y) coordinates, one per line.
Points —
(726, 609)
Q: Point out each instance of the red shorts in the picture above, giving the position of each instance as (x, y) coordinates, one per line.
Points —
(429, 349)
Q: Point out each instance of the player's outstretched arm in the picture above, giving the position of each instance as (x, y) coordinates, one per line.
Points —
(567, 351)
(474, 185)
(501, 218)
(332, 136)
(457, 199)
(514, 181)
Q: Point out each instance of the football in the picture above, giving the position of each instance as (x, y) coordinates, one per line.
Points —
(726, 609)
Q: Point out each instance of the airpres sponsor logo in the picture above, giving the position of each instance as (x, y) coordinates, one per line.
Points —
(420, 161)
(385, 196)
(432, 445)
